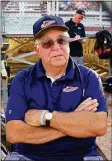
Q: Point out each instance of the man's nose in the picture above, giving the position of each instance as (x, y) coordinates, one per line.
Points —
(56, 45)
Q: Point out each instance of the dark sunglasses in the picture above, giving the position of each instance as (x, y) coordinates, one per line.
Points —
(49, 43)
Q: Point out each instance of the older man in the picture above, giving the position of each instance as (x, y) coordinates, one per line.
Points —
(56, 108)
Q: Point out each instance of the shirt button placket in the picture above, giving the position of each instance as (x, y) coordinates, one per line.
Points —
(54, 90)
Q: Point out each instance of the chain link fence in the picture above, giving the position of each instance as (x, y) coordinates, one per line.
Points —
(18, 17)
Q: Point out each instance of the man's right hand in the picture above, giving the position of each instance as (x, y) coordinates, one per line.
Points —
(89, 105)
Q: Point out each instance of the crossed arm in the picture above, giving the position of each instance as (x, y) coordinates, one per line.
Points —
(81, 123)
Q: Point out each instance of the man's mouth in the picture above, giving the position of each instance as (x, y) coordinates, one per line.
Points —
(58, 56)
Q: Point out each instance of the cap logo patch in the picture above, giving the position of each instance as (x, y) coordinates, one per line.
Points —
(70, 89)
(47, 23)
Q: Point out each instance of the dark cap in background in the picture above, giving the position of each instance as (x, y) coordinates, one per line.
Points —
(81, 11)
(48, 22)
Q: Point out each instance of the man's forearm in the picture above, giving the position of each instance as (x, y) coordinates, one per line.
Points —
(80, 124)
(20, 132)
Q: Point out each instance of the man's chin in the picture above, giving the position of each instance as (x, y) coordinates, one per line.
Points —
(58, 64)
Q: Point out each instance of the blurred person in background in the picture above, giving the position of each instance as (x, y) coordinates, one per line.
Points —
(77, 29)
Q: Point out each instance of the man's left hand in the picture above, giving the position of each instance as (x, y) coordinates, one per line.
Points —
(89, 105)
(32, 117)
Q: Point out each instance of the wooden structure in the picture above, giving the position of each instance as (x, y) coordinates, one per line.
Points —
(21, 55)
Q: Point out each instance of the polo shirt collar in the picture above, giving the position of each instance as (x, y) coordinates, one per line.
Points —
(40, 69)
(70, 72)
(73, 22)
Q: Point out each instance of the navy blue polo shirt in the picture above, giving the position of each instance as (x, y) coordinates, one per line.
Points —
(31, 89)
(76, 49)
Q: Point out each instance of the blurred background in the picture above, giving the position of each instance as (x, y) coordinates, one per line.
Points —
(17, 19)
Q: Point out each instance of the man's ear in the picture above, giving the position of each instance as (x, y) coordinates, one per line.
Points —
(36, 49)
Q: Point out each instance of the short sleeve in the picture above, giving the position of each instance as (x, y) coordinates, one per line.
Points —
(83, 32)
(17, 103)
(94, 89)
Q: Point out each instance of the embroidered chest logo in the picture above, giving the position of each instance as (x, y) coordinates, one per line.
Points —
(70, 89)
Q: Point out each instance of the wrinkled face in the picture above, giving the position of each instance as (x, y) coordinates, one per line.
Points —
(52, 49)
(78, 18)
